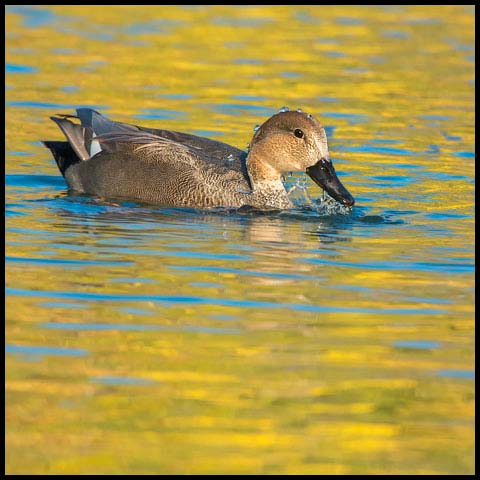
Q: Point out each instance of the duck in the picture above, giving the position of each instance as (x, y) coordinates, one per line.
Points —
(115, 160)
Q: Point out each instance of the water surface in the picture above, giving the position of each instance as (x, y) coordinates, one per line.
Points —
(155, 340)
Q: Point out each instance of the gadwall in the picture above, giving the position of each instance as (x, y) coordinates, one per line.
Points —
(117, 160)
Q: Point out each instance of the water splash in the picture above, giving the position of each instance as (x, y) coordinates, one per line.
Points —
(296, 185)
(256, 128)
(284, 109)
(326, 205)
(230, 158)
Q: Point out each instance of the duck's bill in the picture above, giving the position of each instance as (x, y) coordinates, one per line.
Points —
(323, 174)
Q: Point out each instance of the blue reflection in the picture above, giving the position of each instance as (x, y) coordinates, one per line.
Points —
(35, 352)
(417, 344)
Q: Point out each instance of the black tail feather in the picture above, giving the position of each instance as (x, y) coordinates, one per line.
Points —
(63, 153)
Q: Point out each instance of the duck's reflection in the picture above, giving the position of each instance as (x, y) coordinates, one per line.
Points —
(286, 229)
(129, 220)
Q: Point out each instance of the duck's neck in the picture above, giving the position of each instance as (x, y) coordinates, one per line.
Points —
(260, 172)
(266, 181)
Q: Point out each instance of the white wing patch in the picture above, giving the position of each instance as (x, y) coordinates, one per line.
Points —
(94, 147)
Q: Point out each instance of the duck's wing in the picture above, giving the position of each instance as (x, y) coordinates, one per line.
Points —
(97, 134)
(219, 152)
(212, 151)
(173, 156)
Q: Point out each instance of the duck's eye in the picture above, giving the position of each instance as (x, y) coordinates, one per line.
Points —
(298, 133)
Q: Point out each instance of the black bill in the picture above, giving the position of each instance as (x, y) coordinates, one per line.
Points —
(323, 174)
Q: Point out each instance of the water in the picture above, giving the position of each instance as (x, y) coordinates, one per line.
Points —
(155, 340)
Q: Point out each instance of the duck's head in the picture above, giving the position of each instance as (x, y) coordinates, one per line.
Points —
(295, 141)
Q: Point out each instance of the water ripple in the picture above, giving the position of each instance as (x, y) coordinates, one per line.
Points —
(31, 350)
(195, 300)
